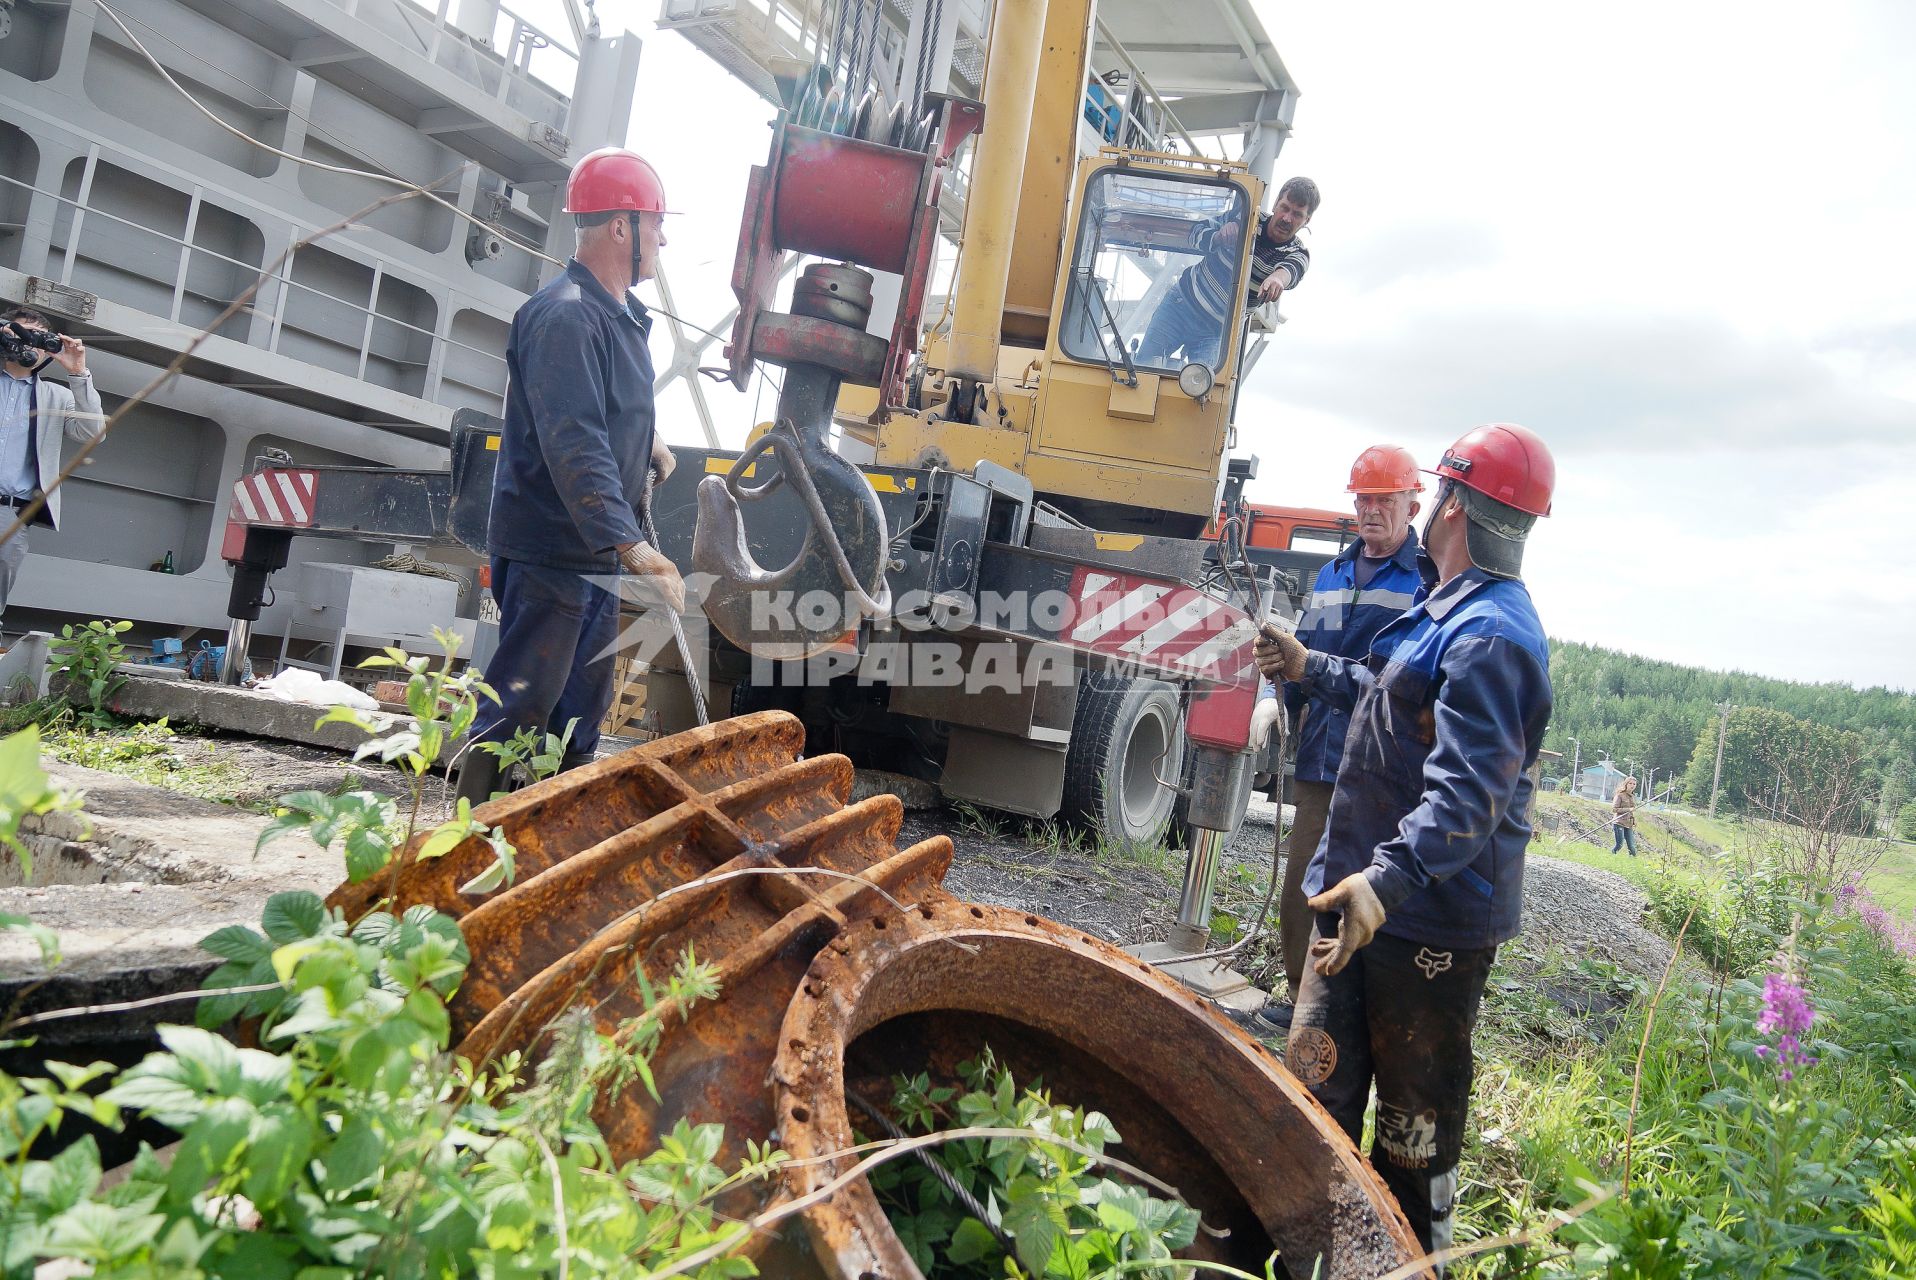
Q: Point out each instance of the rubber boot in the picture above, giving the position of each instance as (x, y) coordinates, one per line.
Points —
(478, 777)
(573, 759)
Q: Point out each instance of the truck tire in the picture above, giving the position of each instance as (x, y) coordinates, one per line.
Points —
(1123, 731)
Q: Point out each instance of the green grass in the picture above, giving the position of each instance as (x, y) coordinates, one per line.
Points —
(1552, 1098)
(1894, 880)
(144, 752)
(1635, 870)
(1588, 815)
(1721, 832)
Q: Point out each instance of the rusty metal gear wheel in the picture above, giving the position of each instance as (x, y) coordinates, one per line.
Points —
(842, 959)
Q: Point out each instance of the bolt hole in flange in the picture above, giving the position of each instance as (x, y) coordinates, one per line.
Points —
(1199, 1105)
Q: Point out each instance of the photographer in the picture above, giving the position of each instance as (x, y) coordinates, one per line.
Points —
(34, 415)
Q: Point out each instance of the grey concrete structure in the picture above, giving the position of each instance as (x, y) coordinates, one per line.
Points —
(235, 710)
(137, 219)
(131, 885)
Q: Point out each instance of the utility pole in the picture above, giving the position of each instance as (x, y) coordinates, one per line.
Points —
(1576, 771)
(1722, 731)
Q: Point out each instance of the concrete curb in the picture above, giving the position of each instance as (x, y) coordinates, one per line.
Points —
(236, 710)
(171, 869)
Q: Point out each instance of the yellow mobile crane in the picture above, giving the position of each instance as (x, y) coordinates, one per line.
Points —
(1007, 593)
(1062, 263)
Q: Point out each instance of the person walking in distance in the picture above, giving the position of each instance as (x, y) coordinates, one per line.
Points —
(578, 441)
(1623, 817)
(1419, 877)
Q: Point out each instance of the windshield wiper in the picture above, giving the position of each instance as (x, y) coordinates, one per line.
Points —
(1109, 325)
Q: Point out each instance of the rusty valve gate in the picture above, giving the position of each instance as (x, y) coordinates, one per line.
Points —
(832, 982)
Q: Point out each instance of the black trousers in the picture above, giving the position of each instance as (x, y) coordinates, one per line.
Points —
(1400, 1015)
(557, 634)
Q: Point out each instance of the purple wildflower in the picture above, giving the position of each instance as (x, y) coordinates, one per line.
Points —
(1900, 934)
(1786, 1015)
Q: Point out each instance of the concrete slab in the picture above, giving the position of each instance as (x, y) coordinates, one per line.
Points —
(1209, 978)
(168, 870)
(235, 710)
(23, 667)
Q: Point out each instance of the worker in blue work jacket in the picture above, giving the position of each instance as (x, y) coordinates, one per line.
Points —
(574, 454)
(1419, 876)
(1362, 590)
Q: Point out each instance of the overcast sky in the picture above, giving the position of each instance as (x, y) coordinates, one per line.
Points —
(1675, 239)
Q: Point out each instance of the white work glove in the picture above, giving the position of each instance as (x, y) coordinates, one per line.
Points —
(1269, 712)
(654, 573)
(1363, 916)
(1279, 655)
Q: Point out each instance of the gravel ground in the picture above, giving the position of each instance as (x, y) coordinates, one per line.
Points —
(1123, 899)
(1589, 914)
(273, 769)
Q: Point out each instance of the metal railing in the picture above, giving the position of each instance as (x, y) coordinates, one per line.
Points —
(439, 339)
(1144, 129)
(516, 50)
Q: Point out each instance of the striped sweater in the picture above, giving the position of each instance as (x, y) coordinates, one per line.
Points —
(1206, 284)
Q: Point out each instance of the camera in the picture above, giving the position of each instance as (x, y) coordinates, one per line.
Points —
(18, 342)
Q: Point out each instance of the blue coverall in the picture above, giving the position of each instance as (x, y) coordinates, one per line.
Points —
(573, 460)
(1340, 619)
(1432, 806)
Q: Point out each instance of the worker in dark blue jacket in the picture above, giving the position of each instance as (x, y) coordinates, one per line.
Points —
(1366, 587)
(578, 442)
(1420, 873)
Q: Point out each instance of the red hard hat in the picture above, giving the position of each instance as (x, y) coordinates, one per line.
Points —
(1506, 462)
(614, 180)
(1384, 468)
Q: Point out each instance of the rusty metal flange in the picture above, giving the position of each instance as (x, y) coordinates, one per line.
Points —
(840, 959)
(1200, 1105)
(720, 841)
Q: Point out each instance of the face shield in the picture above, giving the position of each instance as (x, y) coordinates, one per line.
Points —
(1494, 531)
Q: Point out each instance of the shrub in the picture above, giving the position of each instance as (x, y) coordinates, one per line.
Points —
(1062, 1217)
(87, 657)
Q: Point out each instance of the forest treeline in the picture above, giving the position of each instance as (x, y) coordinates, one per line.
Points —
(1650, 715)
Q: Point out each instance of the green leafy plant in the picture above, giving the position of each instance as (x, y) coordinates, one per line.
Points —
(1889, 1247)
(26, 791)
(365, 824)
(1773, 1116)
(537, 753)
(87, 657)
(1739, 914)
(1064, 1217)
(350, 1143)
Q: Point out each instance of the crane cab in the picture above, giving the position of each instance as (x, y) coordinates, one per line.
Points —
(1126, 436)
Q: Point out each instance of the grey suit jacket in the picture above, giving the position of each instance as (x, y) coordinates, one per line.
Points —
(69, 410)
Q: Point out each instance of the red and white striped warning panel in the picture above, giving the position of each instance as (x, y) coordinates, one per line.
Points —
(276, 496)
(1162, 624)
